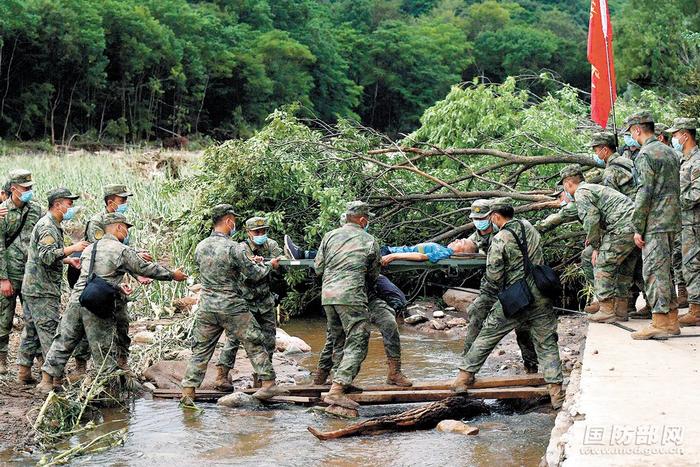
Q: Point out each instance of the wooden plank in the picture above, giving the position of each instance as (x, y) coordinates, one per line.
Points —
(297, 400)
(210, 395)
(402, 397)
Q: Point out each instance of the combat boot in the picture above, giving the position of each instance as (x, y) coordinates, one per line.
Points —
(395, 376)
(672, 325)
(336, 396)
(592, 307)
(556, 395)
(321, 377)
(682, 296)
(530, 368)
(269, 390)
(24, 375)
(692, 318)
(3, 363)
(606, 312)
(463, 381)
(659, 327)
(46, 384)
(644, 313)
(621, 309)
(222, 382)
(188, 395)
(79, 372)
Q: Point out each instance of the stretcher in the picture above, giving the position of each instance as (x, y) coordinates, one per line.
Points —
(453, 263)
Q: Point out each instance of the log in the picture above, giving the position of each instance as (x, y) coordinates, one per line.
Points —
(211, 395)
(421, 418)
(407, 397)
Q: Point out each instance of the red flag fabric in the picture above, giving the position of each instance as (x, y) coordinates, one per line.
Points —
(600, 56)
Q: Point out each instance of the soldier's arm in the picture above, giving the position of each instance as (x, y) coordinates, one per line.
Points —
(320, 261)
(137, 266)
(373, 264)
(94, 231)
(275, 250)
(249, 269)
(565, 215)
(610, 179)
(690, 197)
(591, 218)
(47, 246)
(642, 202)
(3, 250)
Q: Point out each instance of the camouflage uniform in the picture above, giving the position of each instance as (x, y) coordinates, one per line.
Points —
(619, 175)
(690, 218)
(607, 220)
(260, 300)
(223, 268)
(13, 258)
(348, 259)
(657, 219)
(113, 260)
(504, 266)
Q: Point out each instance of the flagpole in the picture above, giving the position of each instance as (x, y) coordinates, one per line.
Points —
(604, 23)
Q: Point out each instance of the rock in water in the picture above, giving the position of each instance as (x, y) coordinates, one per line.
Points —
(438, 314)
(238, 399)
(343, 412)
(456, 322)
(459, 299)
(290, 344)
(438, 325)
(143, 337)
(455, 426)
(415, 319)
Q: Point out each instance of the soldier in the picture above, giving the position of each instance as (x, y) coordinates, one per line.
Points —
(684, 140)
(348, 260)
(4, 194)
(618, 173)
(480, 308)
(112, 261)
(15, 233)
(259, 297)
(223, 268)
(41, 288)
(479, 240)
(607, 221)
(656, 220)
(504, 267)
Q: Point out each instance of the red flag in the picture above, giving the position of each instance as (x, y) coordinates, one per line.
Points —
(600, 56)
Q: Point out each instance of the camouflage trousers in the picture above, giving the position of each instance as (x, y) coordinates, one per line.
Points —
(541, 321)
(614, 267)
(382, 316)
(691, 261)
(122, 341)
(587, 264)
(476, 315)
(678, 277)
(656, 270)
(637, 281)
(348, 326)
(208, 328)
(77, 324)
(7, 314)
(265, 314)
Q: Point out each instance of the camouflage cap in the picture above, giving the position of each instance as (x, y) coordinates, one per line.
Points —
(481, 208)
(6, 187)
(358, 208)
(500, 203)
(20, 177)
(60, 193)
(220, 210)
(643, 116)
(255, 223)
(115, 218)
(119, 190)
(603, 138)
(660, 128)
(683, 124)
(570, 171)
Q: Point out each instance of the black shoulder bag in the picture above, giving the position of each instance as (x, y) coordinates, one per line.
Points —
(99, 296)
(517, 297)
(11, 239)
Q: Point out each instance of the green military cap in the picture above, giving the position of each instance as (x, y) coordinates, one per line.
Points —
(660, 128)
(255, 223)
(220, 210)
(20, 177)
(60, 193)
(683, 124)
(115, 218)
(602, 138)
(570, 171)
(643, 116)
(481, 208)
(500, 203)
(119, 190)
(6, 187)
(358, 208)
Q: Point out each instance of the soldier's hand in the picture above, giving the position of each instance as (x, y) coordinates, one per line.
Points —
(3, 211)
(146, 256)
(179, 275)
(73, 261)
(275, 263)
(6, 288)
(126, 288)
(594, 257)
(639, 241)
(258, 259)
(144, 280)
(76, 248)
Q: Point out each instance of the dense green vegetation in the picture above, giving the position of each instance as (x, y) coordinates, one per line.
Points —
(129, 70)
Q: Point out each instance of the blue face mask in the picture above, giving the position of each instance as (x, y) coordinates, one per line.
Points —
(482, 224)
(563, 202)
(122, 208)
(126, 239)
(677, 144)
(569, 197)
(494, 226)
(629, 141)
(70, 214)
(26, 196)
(367, 226)
(260, 239)
(600, 162)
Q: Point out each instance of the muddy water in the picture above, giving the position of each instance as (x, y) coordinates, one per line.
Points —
(159, 433)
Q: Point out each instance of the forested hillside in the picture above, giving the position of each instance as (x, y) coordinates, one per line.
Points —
(131, 70)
